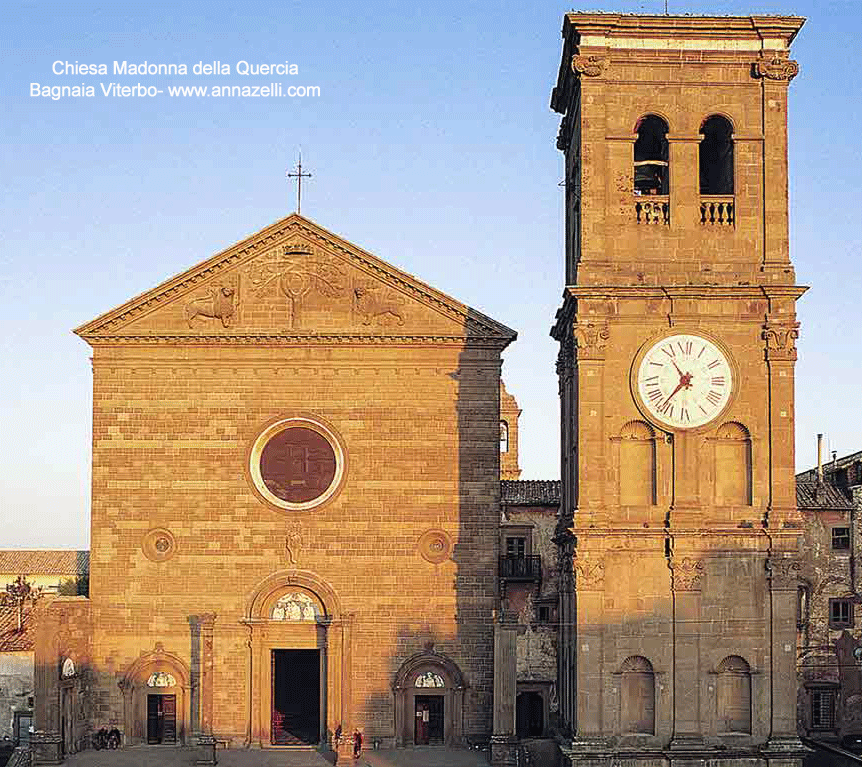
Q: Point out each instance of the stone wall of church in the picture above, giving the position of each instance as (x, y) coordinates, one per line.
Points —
(172, 429)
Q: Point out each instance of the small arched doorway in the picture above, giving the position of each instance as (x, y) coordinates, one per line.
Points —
(156, 699)
(429, 700)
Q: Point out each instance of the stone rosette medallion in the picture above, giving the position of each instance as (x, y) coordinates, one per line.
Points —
(434, 546)
(159, 544)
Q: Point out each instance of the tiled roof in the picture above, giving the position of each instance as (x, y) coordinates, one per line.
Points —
(821, 495)
(830, 466)
(530, 492)
(12, 640)
(44, 562)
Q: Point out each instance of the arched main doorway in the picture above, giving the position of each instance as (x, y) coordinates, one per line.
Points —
(299, 672)
(429, 700)
(156, 698)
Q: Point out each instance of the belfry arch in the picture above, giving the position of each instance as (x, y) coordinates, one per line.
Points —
(296, 625)
(428, 680)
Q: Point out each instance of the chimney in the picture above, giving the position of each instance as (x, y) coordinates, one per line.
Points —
(819, 457)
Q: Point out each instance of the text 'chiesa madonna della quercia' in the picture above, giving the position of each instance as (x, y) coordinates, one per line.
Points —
(296, 491)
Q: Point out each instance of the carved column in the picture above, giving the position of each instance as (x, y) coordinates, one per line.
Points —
(779, 334)
(345, 742)
(207, 624)
(205, 741)
(589, 570)
(783, 573)
(776, 73)
(195, 672)
(503, 741)
(566, 636)
(591, 337)
(686, 578)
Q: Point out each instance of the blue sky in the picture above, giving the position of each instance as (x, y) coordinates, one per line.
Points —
(431, 145)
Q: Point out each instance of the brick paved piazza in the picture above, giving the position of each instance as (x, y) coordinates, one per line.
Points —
(147, 756)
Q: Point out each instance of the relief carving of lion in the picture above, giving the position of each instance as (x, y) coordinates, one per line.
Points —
(371, 305)
(218, 304)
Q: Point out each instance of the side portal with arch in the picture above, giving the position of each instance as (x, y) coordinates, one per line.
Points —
(156, 699)
(429, 691)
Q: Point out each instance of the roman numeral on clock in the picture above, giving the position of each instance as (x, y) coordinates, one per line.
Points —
(683, 415)
(654, 395)
(685, 349)
(714, 364)
(666, 408)
(713, 396)
(718, 381)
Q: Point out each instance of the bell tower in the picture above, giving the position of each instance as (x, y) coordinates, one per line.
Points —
(679, 535)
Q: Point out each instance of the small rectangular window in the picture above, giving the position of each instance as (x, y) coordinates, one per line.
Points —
(840, 613)
(516, 547)
(543, 614)
(822, 710)
(840, 538)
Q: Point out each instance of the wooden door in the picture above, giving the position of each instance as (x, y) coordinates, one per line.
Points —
(429, 727)
(161, 718)
(154, 719)
(420, 732)
(169, 718)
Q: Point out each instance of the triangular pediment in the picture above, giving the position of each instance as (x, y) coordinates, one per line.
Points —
(291, 281)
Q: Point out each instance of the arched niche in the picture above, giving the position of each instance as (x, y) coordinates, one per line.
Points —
(157, 672)
(636, 464)
(733, 469)
(297, 610)
(417, 687)
(733, 696)
(637, 696)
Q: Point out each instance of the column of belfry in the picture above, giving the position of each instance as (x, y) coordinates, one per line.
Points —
(678, 537)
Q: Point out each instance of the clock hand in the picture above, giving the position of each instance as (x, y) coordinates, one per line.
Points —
(684, 383)
(673, 362)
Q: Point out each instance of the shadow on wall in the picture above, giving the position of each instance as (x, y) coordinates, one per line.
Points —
(441, 676)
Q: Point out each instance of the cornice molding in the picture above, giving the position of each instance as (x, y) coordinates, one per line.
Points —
(253, 339)
(714, 292)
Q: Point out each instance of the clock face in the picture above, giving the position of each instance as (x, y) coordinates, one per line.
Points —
(684, 381)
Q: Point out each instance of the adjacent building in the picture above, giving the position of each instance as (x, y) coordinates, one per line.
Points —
(830, 640)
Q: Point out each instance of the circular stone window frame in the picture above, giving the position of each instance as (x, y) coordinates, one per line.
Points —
(149, 544)
(278, 425)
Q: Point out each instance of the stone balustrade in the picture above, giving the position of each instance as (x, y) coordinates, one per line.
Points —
(652, 209)
(717, 210)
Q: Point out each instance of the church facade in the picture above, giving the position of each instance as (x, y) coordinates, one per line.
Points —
(295, 509)
(679, 536)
